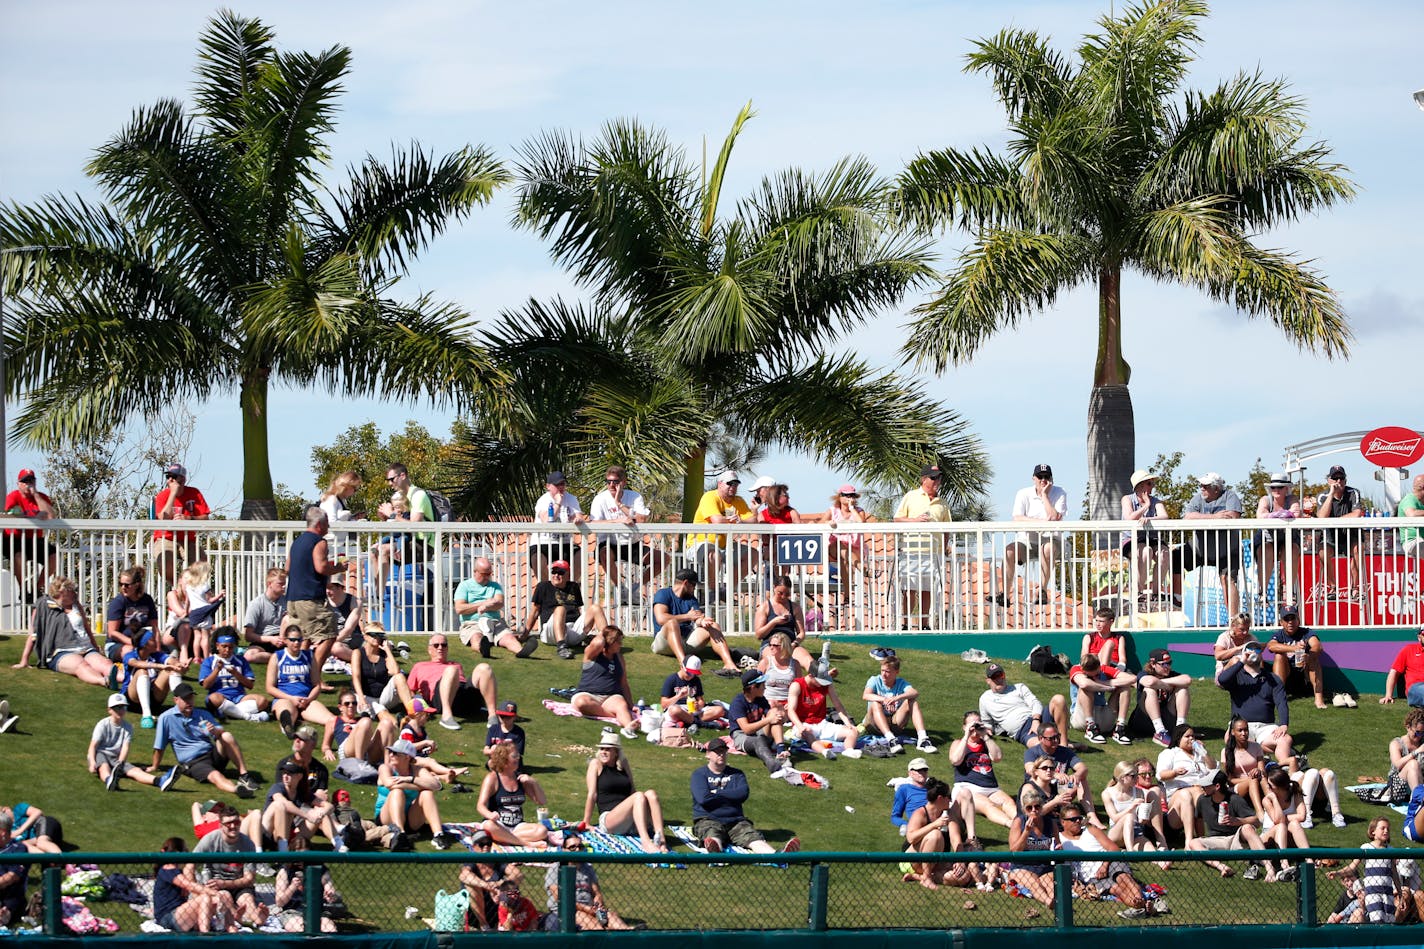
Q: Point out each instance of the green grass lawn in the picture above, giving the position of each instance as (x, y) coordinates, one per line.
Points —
(42, 760)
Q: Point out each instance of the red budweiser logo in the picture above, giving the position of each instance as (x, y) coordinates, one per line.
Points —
(1392, 446)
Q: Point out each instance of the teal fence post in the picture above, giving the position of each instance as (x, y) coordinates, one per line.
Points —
(568, 906)
(50, 882)
(1305, 895)
(820, 896)
(1063, 895)
(314, 898)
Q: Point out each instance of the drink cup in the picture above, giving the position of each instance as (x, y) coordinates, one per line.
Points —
(1144, 811)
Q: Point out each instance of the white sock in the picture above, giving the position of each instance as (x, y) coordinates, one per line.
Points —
(248, 709)
(229, 709)
(1158, 725)
(143, 687)
(1332, 794)
(922, 735)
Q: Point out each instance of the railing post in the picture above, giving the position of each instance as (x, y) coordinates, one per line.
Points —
(1063, 895)
(568, 905)
(820, 897)
(1305, 895)
(314, 898)
(50, 881)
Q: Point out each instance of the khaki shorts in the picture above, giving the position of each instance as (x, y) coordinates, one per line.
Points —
(486, 627)
(1234, 842)
(693, 639)
(313, 618)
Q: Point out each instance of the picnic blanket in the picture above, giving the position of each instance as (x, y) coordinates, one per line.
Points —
(683, 832)
(567, 710)
(1377, 786)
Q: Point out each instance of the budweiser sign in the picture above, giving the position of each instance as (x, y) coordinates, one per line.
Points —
(1392, 447)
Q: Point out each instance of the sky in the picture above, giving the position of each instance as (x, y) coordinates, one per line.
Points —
(826, 79)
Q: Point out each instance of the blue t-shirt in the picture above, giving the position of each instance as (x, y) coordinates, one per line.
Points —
(190, 735)
(674, 682)
(132, 614)
(226, 683)
(1416, 798)
(753, 710)
(167, 897)
(676, 606)
(294, 673)
(909, 797)
(515, 734)
(877, 685)
(159, 656)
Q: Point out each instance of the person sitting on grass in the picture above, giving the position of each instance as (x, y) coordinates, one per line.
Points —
(757, 727)
(621, 808)
(1033, 830)
(376, 678)
(181, 904)
(1012, 710)
(1186, 771)
(148, 674)
(1069, 771)
(501, 801)
(591, 910)
(1134, 812)
(1381, 892)
(681, 625)
(504, 729)
(517, 914)
(1259, 696)
(294, 682)
(1162, 691)
(806, 704)
(934, 827)
(293, 810)
(973, 757)
(909, 793)
(719, 794)
(442, 683)
(35, 830)
(235, 880)
(352, 735)
(203, 748)
(1295, 653)
(108, 754)
(682, 698)
(405, 798)
(1107, 877)
(891, 703)
(1284, 815)
(1091, 679)
(481, 882)
(229, 680)
(602, 690)
(62, 639)
(289, 894)
(412, 727)
(14, 871)
(1230, 824)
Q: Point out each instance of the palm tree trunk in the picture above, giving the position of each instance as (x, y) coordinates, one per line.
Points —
(1112, 433)
(257, 501)
(694, 475)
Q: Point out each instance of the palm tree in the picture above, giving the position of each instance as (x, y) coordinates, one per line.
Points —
(697, 319)
(1106, 169)
(221, 263)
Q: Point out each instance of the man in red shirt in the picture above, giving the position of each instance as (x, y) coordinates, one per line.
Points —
(22, 545)
(1410, 662)
(176, 502)
(441, 682)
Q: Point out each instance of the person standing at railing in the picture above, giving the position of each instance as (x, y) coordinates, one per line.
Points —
(721, 505)
(1042, 502)
(1219, 548)
(407, 546)
(1340, 500)
(1411, 539)
(178, 501)
(620, 505)
(309, 566)
(333, 499)
(1142, 506)
(23, 545)
(1274, 547)
(919, 558)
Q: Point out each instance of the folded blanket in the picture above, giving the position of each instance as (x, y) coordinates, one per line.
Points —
(567, 710)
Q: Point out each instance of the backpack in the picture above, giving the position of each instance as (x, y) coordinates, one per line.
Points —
(1044, 662)
(450, 911)
(357, 771)
(440, 504)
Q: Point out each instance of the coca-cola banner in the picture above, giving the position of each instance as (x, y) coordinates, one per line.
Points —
(1392, 447)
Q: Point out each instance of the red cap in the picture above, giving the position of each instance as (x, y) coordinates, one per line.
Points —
(25, 475)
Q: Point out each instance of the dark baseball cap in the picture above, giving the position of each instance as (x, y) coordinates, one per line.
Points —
(1336, 471)
(555, 477)
(993, 670)
(1163, 656)
(719, 745)
(182, 690)
(291, 767)
(1043, 471)
(930, 471)
(686, 574)
(507, 708)
(752, 677)
(1290, 611)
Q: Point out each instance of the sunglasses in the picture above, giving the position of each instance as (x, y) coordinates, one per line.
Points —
(439, 645)
(1075, 820)
(573, 846)
(351, 704)
(612, 480)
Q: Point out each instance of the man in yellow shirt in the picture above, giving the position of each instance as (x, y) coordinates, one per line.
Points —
(721, 505)
(919, 558)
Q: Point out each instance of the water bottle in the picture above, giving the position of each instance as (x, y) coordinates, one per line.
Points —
(602, 916)
(220, 919)
(552, 515)
(826, 652)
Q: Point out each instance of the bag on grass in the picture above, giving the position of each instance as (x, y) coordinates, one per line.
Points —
(357, 771)
(1044, 662)
(673, 735)
(450, 910)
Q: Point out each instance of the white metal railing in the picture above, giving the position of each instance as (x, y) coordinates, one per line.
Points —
(872, 577)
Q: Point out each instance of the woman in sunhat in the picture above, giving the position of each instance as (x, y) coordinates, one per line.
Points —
(621, 808)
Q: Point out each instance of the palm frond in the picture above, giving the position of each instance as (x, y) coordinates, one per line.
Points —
(232, 54)
(716, 311)
(1289, 293)
(712, 190)
(1190, 240)
(876, 425)
(387, 213)
(949, 188)
(1028, 76)
(1001, 278)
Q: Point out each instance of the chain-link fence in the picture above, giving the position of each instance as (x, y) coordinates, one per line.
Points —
(567, 890)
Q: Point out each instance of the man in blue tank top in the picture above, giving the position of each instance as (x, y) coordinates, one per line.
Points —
(308, 568)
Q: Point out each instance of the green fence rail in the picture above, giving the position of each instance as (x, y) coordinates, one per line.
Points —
(804, 892)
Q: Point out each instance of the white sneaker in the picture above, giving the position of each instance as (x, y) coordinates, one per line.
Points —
(852, 753)
(895, 746)
(925, 745)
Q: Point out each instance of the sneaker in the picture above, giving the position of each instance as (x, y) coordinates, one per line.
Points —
(260, 717)
(449, 724)
(170, 777)
(792, 845)
(852, 753)
(527, 650)
(1288, 875)
(248, 781)
(1338, 820)
(284, 719)
(747, 662)
(1119, 734)
(264, 870)
(1308, 823)
(1339, 700)
(629, 732)
(1350, 701)
(780, 773)
(925, 745)
(711, 844)
(565, 652)
(1253, 872)
(1160, 907)
(147, 722)
(895, 747)
(444, 841)
(111, 783)
(1163, 738)
(1092, 734)
(881, 653)
(7, 722)
(245, 792)
(402, 650)
(1134, 912)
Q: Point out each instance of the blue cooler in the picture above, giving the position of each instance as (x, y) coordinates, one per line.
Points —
(405, 603)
